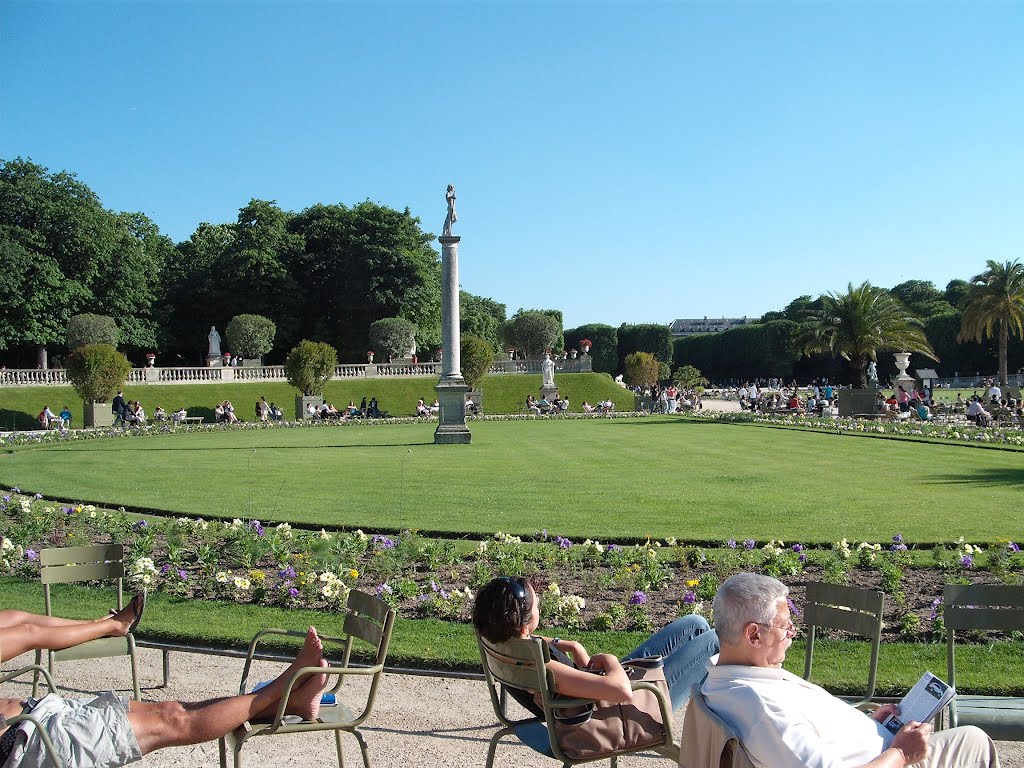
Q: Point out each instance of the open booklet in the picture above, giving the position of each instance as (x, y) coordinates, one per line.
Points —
(922, 703)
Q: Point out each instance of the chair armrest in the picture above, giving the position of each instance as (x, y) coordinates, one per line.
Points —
(51, 753)
(36, 668)
(303, 672)
(663, 705)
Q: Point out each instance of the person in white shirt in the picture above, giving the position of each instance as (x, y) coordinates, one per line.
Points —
(783, 721)
(995, 394)
(976, 412)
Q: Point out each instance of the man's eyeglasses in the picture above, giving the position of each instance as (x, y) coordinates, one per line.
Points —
(789, 628)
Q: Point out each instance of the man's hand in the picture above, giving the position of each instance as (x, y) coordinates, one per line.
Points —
(912, 741)
(883, 712)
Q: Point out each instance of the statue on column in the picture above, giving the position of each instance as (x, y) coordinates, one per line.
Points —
(214, 338)
(547, 371)
(452, 217)
(872, 373)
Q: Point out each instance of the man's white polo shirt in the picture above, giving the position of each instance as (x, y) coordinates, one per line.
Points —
(783, 721)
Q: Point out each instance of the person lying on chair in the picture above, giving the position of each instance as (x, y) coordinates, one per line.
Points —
(108, 730)
(783, 721)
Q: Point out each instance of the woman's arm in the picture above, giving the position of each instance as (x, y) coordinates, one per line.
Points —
(612, 685)
(572, 648)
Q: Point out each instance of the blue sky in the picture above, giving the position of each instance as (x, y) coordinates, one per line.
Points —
(623, 162)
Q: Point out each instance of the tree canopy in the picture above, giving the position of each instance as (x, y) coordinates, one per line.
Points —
(995, 301)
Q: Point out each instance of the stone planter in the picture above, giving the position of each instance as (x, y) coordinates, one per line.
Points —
(301, 401)
(97, 414)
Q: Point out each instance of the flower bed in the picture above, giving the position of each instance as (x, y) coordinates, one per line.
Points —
(583, 584)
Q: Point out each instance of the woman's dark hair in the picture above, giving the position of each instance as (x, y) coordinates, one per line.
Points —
(502, 607)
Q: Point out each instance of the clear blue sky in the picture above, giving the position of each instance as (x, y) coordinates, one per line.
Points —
(624, 162)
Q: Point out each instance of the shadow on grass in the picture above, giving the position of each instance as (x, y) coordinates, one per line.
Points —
(129, 445)
(662, 420)
(989, 476)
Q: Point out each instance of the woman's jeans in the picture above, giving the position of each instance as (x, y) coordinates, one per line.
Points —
(686, 645)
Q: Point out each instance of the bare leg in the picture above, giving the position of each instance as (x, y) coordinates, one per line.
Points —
(33, 635)
(10, 618)
(174, 723)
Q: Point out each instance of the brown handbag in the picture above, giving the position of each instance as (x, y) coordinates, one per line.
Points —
(603, 728)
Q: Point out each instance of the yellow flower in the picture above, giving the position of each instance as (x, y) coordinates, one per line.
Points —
(353, 573)
(693, 582)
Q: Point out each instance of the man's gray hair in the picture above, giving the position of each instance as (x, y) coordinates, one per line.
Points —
(743, 598)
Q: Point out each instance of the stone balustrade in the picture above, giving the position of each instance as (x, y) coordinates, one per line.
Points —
(31, 377)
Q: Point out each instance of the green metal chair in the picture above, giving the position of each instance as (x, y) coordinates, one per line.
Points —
(14, 722)
(101, 562)
(850, 609)
(522, 665)
(988, 608)
(703, 730)
(368, 619)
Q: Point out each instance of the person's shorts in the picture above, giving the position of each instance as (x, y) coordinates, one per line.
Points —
(86, 733)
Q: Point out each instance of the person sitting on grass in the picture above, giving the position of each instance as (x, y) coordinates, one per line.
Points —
(783, 721)
(507, 607)
(110, 731)
(21, 632)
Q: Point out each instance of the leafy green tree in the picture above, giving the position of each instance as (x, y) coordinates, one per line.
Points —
(392, 336)
(955, 292)
(641, 370)
(532, 331)
(645, 337)
(309, 366)
(97, 371)
(922, 298)
(995, 300)
(481, 317)
(365, 263)
(689, 377)
(856, 324)
(250, 336)
(477, 357)
(91, 329)
(605, 341)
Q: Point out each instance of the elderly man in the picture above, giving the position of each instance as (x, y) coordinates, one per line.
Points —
(108, 731)
(785, 722)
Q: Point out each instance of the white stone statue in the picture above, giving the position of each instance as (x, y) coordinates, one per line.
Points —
(547, 371)
(452, 217)
(872, 372)
(214, 338)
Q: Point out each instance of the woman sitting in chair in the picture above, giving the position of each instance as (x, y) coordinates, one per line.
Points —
(507, 608)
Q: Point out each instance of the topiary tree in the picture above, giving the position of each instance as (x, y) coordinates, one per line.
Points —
(392, 336)
(532, 331)
(97, 371)
(91, 329)
(641, 370)
(310, 365)
(251, 336)
(477, 358)
(688, 377)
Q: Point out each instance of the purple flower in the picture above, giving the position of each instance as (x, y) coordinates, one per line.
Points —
(31, 555)
(182, 574)
(731, 543)
(897, 547)
(613, 547)
(384, 589)
(293, 592)
(1013, 547)
(257, 526)
(165, 569)
(287, 573)
(434, 586)
(69, 510)
(792, 608)
(38, 496)
(802, 558)
(563, 542)
(798, 548)
(544, 533)
(383, 542)
(967, 561)
(16, 489)
(897, 539)
(749, 544)
(935, 608)
(141, 525)
(6, 499)
(690, 597)
(637, 598)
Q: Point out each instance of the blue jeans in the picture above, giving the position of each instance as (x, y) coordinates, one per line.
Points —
(686, 645)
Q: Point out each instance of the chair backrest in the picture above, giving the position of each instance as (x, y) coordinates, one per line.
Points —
(850, 609)
(518, 664)
(985, 607)
(707, 741)
(99, 562)
(371, 620)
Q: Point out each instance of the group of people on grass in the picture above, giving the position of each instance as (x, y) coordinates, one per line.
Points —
(426, 411)
(48, 418)
(545, 407)
(781, 720)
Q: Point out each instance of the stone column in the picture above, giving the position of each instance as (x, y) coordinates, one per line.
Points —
(452, 388)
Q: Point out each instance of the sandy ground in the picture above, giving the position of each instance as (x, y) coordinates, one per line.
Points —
(417, 720)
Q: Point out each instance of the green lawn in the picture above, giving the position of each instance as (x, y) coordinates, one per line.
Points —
(659, 476)
(504, 393)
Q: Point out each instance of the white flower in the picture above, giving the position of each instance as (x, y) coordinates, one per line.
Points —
(671, 541)
(285, 530)
(482, 547)
(324, 534)
(360, 535)
(553, 589)
(221, 577)
(241, 583)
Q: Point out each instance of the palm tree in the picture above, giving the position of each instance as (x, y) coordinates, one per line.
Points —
(995, 297)
(858, 323)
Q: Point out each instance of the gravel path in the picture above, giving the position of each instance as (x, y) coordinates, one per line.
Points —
(417, 720)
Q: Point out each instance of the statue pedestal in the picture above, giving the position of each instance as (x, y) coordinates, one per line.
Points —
(855, 401)
(451, 419)
(549, 392)
(214, 361)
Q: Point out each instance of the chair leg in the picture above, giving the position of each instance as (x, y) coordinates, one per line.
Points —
(222, 750)
(35, 675)
(362, 747)
(135, 675)
(493, 746)
(341, 754)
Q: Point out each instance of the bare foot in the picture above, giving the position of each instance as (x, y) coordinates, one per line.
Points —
(305, 699)
(310, 655)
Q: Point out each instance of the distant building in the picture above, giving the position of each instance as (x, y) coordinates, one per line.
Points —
(688, 327)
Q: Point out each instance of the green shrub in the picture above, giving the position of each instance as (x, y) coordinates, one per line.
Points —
(641, 370)
(251, 336)
(310, 365)
(392, 336)
(91, 329)
(97, 371)
(477, 358)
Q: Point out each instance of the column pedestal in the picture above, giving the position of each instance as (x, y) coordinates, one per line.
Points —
(452, 388)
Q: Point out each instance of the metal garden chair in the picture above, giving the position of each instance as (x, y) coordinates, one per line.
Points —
(367, 619)
(17, 720)
(101, 562)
